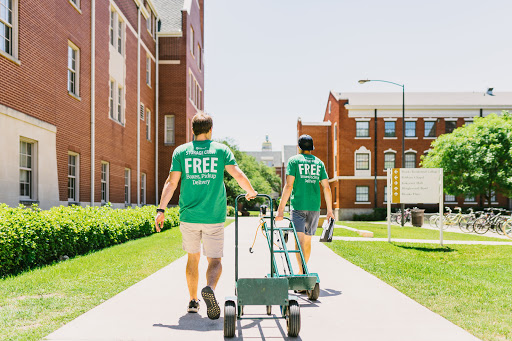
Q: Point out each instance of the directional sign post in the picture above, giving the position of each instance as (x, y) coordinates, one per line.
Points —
(415, 185)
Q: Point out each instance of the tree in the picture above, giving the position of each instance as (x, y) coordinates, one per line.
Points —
(263, 178)
(476, 158)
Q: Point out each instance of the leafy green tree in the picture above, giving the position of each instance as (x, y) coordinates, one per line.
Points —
(263, 178)
(476, 158)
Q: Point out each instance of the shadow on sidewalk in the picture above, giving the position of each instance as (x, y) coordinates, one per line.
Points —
(257, 324)
(195, 322)
(425, 249)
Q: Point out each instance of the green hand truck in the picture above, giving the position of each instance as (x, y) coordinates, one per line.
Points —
(272, 290)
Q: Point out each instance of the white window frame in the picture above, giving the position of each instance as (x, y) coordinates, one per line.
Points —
(75, 71)
(415, 129)
(13, 25)
(105, 181)
(143, 189)
(148, 24)
(127, 186)
(76, 177)
(142, 111)
(468, 199)
(368, 128)
(199, 56)
(335, 148)
(111, 98)
(424, 129)
(367, 194)
(148, 71)
(356, 161)
(405, 157)
(192, 41)
(385, 194)
(449, 198)
(32, 169)
(386, 153)
(451, 121)
(75, 4)
(120, 104)
(394, 129)
(166, 131)
(112, 27)
(359, 172)
(148, 124)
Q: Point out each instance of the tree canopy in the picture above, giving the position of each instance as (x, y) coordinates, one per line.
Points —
(263, 178)
(476, 158)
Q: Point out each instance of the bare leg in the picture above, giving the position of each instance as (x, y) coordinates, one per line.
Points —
(193, 274)
(305, 245)
(300, 236)
(214, 271)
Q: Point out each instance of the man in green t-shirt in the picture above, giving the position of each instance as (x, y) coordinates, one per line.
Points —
(200, 165)
(304, 175)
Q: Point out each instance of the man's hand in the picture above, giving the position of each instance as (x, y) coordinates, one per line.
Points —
(251, 195)
(330, 215)
(159, 221)
(279, 216)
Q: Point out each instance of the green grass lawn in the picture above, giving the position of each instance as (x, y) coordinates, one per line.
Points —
(470, 285)
(35, 303)
(406, 232)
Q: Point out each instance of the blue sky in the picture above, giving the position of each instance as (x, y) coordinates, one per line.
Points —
(269, 62)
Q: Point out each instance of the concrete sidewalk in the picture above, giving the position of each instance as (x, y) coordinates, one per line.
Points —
(353, 305)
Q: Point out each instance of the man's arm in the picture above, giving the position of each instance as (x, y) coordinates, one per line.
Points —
(328, 197)
(169, 187)
(287, 191)
(242, 180)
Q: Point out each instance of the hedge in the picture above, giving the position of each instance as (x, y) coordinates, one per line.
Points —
(31, 237)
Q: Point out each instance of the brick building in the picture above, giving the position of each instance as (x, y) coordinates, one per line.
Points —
(361, 136)
(95, 97)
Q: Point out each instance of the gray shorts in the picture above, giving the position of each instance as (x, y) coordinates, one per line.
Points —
(305, 221)
(211, 234)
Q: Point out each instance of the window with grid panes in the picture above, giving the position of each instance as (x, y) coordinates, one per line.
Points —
(112, 26)
(120, 104)
(111, 99)
(127, 185)
(450, 126)
(7, 26)
(362, 161)
(469, 198)
(389, 129)
(169, 129)
(410, 129)
(72, 177)
(73, 67)
(362, 129)
(26, 170)
(148, 125)
(148, 70)
(120, 36)
(430, 129)
(143, 189)
(389, 160)
(410, 160)
(104, 182)
(385, 193)
(362, 193)
(449, 198)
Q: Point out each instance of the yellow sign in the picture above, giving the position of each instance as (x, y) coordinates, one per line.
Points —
(395, 186)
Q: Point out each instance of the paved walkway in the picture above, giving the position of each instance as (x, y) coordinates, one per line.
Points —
(353, 305)
(422, 241)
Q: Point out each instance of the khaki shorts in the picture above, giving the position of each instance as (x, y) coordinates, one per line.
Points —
(211, 234)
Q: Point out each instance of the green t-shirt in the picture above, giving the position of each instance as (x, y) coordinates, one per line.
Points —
(308, 171)
(202, 194)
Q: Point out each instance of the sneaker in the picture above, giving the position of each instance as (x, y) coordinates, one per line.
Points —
(193, 306)
(212, 307)
(300, 291)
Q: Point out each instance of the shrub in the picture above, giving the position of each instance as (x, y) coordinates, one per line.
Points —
(230, 211)
(33, 237)
(378, 213)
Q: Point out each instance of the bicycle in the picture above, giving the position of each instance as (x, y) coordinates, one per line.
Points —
(450, 219)
(490, 221)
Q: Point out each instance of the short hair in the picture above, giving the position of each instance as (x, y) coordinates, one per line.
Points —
(201, 123)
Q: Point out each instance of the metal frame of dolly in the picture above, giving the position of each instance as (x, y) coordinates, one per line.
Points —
(268, 291)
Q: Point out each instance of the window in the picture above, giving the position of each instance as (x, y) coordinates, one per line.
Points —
(27, 170)
(410, 160)
(72, 177)
(449, 126)
(329, 107)
(148, 71)
(112, 32)
(143, 189)
(199, 53)
(362, 129)
(385, 193)
(76, 3)
(362, 161)
(148, 23)
(148, 125)
(335, 195)
(111, 99)
(8, 26)
(410, 129)
(104, 182)
(449, 198)
(389, 129)
(362, 194)
(335, 149)
(469, 198)
(169, 129)
(493, 196)
(120, 104)
(73, 67)
(190, 86)
(127, 173)
(430, 129)
(389, 160)
(142, 111)
(191, 40)
(120, 36)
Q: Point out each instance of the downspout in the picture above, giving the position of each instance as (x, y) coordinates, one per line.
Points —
(138, 106)
(93, 111)
(375, 161)
(156, 117)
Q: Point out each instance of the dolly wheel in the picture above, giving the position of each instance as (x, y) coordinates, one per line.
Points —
(229, 318)
(313, 294)
(293, 319)
(269, 310)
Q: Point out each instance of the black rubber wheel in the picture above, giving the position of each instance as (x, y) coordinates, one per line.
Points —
(269, 310)
(229, 318)
(293, 319)
(313, 294)
(480, 226)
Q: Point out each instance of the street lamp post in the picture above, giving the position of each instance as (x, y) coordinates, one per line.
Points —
(362, 81)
